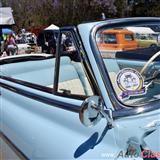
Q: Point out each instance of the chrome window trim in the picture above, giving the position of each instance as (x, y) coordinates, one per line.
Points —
(70, 107)
(84, 59)
(28, 84)
(34, 96)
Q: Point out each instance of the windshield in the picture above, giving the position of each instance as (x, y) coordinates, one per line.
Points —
(131, 55)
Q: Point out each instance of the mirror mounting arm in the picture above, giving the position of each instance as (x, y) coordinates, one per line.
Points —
(107, 114)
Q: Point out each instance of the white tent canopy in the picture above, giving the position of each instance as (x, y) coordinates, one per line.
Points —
(141, 30)
(52, 27)
(6, 17)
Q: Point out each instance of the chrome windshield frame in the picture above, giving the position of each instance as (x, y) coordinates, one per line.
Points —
(121, 110)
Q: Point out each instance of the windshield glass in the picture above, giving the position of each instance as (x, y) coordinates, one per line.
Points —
(131, 55)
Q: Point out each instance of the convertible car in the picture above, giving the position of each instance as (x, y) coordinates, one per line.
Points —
(82, 103)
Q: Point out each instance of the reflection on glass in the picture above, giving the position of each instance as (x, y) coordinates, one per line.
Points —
(131, 56)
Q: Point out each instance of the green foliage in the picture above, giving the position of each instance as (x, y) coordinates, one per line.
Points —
(121, 6)
(30, 13)
(150, 8)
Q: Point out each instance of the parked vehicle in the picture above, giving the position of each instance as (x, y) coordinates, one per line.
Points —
(147, 41)
(24, 48)
(146, 36)
(51, 106)
(117, 39)
(26, 42)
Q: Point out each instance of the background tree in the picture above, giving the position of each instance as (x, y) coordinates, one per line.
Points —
(28, 13)
(121, 6)
(146, 8)
(31, 13)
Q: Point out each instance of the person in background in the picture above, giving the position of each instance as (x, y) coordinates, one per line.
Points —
(23, 36)
(68, 43)
(52, 45)
(10, 45)
(18, 38)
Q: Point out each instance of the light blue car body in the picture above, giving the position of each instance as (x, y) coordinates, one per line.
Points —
(43, 131)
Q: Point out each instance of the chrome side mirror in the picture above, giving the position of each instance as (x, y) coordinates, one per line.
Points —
(92, 111)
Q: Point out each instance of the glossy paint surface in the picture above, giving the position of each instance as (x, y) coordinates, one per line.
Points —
(46, 132)
(47, 126)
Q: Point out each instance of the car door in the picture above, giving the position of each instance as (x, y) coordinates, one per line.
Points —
(45, 125)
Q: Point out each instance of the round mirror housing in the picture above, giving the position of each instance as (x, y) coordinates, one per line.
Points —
(90, 113)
